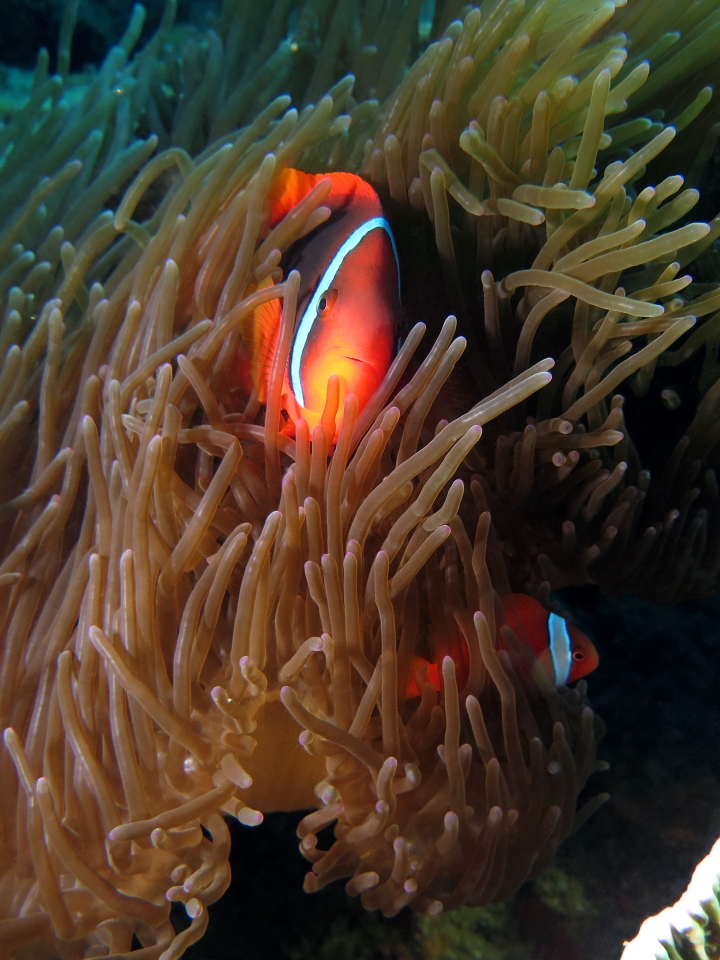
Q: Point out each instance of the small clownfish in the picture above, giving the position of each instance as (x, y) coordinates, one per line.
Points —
(348, 306)
(564, 652)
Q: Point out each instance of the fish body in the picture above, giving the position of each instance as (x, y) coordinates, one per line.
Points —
(348, 308)
(565, 653)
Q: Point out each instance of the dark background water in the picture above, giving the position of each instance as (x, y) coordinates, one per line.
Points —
(656, 689)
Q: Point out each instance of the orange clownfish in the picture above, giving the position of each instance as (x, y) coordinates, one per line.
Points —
(348, 305)
(565, 653)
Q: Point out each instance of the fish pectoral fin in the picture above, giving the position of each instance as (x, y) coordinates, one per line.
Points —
(263, 332)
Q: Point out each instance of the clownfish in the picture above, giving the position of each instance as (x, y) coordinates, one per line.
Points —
(565, 653)
(348, 307)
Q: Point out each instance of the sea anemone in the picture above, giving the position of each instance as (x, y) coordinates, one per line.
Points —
(184, 583)
(690, 927)
(547, 246)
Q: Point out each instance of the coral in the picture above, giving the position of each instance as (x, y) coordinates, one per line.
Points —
(691, 927)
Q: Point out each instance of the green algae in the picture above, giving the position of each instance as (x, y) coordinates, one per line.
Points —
(562, 893)
(474, 933)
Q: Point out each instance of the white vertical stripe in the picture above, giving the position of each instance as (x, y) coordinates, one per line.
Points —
(560, 648)
(310, 315)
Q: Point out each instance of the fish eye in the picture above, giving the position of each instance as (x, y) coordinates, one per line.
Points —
(326, 302)
(578, 655)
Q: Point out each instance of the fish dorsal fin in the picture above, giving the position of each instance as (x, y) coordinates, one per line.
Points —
(261, 335)
(291, 186)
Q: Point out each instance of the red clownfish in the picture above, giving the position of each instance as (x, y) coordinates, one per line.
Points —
(348, 306)
(565, 653)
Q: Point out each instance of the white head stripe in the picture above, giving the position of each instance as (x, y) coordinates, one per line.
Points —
(310, 315)
(560, 648)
